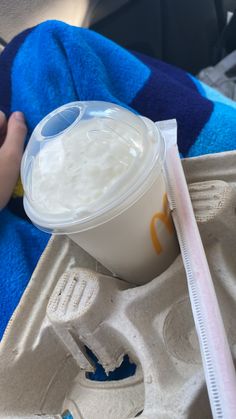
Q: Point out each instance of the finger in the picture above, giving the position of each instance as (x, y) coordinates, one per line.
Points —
(3, 127)
(10, 156)
(15, 136)
(3, 120)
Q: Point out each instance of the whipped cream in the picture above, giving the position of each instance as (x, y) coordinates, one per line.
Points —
(79, 168)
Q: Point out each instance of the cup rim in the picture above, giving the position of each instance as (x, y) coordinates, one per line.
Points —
(116, 207)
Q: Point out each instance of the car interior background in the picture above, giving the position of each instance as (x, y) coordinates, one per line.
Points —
(188, 34)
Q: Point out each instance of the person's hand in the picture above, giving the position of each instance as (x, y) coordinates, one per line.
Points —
(12, 137)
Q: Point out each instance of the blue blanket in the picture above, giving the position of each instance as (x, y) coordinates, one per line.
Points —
(54, 63)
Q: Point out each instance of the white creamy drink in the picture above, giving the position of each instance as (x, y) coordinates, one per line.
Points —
(85, 165)
(93, 171)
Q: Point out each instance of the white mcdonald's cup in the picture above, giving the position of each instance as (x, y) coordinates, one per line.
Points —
(94, 171)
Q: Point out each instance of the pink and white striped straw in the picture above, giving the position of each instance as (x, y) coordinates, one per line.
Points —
(215, 351)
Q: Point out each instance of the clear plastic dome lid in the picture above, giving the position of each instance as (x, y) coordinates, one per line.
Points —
(86, 162)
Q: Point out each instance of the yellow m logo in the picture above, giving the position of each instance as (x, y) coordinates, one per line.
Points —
(166, 219)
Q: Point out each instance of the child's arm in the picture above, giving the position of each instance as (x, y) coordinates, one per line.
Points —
(12, 136)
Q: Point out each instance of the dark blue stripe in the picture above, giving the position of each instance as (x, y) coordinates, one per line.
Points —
(6, 60)
(165, 96)
(179, 75)
(15, 205)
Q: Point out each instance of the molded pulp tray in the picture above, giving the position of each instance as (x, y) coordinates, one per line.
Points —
(67, 306)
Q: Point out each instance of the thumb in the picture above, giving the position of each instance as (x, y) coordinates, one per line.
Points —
(10, 156)
(15, 137)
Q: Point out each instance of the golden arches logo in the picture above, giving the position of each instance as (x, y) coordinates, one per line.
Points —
(166, 219)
